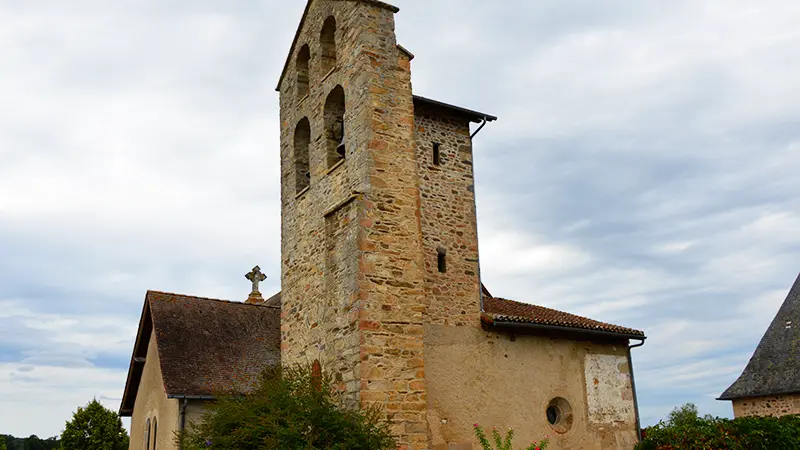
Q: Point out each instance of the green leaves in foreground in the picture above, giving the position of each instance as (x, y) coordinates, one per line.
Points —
(685, 429)
(289, 409)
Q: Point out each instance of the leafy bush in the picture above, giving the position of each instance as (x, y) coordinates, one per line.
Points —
(685, 429)
(289, 409)
(505, 443)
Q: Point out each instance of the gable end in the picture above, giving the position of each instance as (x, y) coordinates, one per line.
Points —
(302, 23)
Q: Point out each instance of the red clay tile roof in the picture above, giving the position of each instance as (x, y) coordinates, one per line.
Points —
(509, 311)
(205, 346)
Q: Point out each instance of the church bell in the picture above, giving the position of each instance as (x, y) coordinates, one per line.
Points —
(340, 149)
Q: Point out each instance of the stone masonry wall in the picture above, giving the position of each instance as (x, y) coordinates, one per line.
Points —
(777, 406)
(352, 262)
(312, 326)
(392, 274)
(449, 220)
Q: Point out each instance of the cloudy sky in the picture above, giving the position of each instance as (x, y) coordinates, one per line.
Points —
(643, 172)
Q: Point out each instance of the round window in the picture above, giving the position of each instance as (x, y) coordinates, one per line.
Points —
(559, 414)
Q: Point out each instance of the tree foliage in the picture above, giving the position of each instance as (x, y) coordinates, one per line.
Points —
(32, 442)
(685, 429)
(94, 427)
(291, 409)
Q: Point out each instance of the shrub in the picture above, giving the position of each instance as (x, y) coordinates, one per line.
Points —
(685, 429)
(505, 443)
(289, 409)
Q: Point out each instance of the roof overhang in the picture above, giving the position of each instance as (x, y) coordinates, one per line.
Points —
(512, 326)
(138, 359)
(473, 116)
(730, 397)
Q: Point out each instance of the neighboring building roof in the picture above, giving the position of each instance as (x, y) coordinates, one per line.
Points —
(774, 368)
(510, 313)
(377, 3)
(474, 116)
(205, 346)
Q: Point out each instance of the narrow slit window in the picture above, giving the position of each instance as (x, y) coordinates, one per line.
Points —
(147, 434)
(441, 257)
(437, 153)
(302, 140)
(155, 433)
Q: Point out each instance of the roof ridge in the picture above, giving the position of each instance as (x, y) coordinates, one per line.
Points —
(194, 297)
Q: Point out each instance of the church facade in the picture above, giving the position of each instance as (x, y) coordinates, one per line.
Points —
(380, 271)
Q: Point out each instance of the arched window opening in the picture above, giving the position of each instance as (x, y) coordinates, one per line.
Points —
(328, 40)
(303, 57)
(147, 434)
(441, 260)
(302, 140)
(334, 126)
(155, 433)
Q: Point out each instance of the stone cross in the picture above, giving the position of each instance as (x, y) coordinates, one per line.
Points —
(255, 276)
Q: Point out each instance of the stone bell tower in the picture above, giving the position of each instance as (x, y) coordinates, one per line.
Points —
(353, 293)
(379, 233)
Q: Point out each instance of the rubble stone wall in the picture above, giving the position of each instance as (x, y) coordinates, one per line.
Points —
(777, 406)
(449, 221)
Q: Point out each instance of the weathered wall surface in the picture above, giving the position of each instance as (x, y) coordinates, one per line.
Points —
(448, 217)
(195, 409)
(152, 403)
(476, 376)
(363, 325)
(609, 395)
(777, 406)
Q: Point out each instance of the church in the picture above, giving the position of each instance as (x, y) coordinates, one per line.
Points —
(380, 275)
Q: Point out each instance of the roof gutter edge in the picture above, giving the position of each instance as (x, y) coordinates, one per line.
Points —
(507, 324)
(191, 397)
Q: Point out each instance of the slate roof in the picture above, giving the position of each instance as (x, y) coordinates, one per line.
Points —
(774, 368)
(500, 311)
(205, 346)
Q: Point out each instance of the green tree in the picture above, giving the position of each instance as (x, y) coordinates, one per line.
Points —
(34, 443)
(3, 443)
(94, 427)
(289, 409)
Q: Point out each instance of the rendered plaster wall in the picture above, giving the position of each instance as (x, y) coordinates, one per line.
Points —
(195, 410)
(483, 377)
(352, 261)
(777, 406)
(152, 402)
(449, 221)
